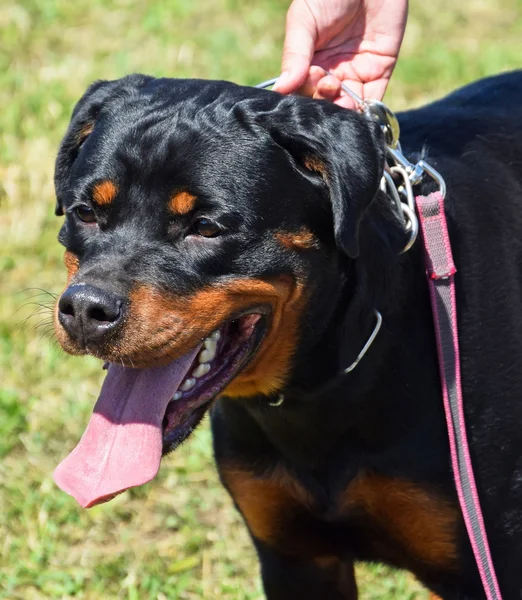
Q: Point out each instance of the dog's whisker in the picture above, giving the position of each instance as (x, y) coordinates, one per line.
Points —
(38, 311)
(37, 326)
(41, 290)
(35, 313)
(45, 334)
(48, 307)
(21, 324)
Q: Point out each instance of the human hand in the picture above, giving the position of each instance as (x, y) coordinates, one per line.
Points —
(358, 41)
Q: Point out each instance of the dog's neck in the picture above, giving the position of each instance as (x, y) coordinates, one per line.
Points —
(362, 411)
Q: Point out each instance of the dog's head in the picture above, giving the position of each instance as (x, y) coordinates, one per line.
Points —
(204, 223)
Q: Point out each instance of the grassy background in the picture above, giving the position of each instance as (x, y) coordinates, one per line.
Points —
(177, 537)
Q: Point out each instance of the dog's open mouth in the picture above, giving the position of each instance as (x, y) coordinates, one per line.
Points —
(222, 355)
(142, 414)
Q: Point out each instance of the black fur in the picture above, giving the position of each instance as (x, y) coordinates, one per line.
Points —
(243, 153)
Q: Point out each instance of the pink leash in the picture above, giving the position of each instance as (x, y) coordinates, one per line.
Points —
(440, 270)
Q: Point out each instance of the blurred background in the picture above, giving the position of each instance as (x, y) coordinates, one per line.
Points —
(178, 537)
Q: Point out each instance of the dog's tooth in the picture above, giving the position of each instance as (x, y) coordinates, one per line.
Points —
(177, 396)
(201, 370)
(188, 384)
(207, 354)
(215, 336)
(210, 344)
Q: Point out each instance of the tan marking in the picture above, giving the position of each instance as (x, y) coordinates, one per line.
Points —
(182, 203)
(302, 240)
(312, 163)
(266, 503)
(72, 264)
(276, 508)
(326, 562)
(84, 132)
(104, 192)
(422, 522)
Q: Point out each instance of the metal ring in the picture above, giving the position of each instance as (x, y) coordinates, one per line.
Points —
(388, 185)
(413, 226)
(408, 189)
(385, 117)
(366, 346)
(279, 401)
(408, 215)
(268, 83)
(434, 174)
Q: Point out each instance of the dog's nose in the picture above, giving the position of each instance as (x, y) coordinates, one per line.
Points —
(88, 312)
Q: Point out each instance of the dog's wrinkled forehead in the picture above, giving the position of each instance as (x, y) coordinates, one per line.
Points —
(272, 156)
(164, 139)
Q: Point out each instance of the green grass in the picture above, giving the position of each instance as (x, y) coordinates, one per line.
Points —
(179, 536)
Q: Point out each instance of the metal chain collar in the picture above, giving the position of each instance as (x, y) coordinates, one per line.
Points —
(400, 174)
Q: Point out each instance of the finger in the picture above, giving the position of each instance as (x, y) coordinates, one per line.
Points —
(298, 50)
(315, 74)
(374, 90)
(346, 102)
(328, 88)
(346, 99)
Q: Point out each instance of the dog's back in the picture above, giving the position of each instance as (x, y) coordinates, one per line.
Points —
(474, 138)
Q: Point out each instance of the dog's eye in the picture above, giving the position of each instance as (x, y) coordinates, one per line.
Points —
(85, 213)
(207, 228)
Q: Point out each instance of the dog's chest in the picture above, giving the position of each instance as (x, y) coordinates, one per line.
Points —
(374, 517)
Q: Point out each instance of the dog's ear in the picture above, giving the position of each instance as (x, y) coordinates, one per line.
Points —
(344, 147)
(82, 123)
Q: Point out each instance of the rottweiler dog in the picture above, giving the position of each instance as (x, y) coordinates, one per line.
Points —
(226, 250)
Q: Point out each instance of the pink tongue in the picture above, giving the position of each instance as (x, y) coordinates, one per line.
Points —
(121, 447)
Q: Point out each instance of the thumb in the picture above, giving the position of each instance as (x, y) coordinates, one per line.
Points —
(298, 51)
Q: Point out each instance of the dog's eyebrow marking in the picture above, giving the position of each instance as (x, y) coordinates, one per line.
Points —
(84, 132)
(313, 163)
(303, 239)
(104, 192)
(182, 203)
